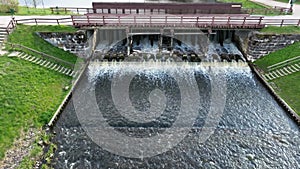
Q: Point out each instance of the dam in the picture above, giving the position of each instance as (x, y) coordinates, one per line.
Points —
(172, 98)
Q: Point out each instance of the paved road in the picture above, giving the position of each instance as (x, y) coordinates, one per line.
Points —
(296, 7)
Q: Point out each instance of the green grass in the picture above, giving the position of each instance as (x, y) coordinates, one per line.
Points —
(23, 10)
(289, 90)
(246, 3)
(29, 96)
(281, 30)
(279, 56)
(26, 36)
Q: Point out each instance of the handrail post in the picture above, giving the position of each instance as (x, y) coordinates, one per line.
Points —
(181, 20)
(103, 19)
(244, 22)
(35, 21)
(212, 22)
(259, 22)
(281, 22)
(228, 21)
(72, 19)
(298, 23)
(166, 20)
(119, 21)
(57, 21)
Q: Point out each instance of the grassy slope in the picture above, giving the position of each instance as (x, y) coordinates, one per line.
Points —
(281, 30)
(26, 36)
(289, 90)
(246, 3)
(29, 96)
(287, 86)
(23, 10)
(279, 56)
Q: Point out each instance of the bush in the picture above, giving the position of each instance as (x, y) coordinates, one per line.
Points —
(6, 5)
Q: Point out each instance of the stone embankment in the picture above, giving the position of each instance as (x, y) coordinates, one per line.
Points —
(261, 44)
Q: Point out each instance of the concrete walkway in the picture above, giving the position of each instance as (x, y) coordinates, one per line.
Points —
(296, 8)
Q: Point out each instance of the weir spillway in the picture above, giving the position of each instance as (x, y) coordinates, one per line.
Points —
(228, 119)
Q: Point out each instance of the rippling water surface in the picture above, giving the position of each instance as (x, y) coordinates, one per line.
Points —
(252, 132)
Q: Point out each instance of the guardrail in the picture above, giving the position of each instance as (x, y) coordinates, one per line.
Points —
(43, 55)
(77, 10)
(10, 27)
(168, 20)
(283, 63)
(67, 10)
(37, 21)
(180, 20)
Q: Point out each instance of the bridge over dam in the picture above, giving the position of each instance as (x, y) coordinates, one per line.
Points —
(151, 112)
(214, 15)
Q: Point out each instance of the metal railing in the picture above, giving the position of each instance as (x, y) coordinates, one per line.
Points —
(10, 27)
(37, 21)
(284, 63)
(180, 20)
(43, 55)
(67, 10)
(77, 10)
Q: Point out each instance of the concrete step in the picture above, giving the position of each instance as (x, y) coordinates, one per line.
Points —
(69, 71)
(291, 69)
(61, 70)
(40, 61)
(51, 66)
(267, 77)
(273, 75)
(54, 66)
(36, 60)
(28, 57)
(283, 72)
(47, 64)
(297, 66)
(286, 70)
(278, 73)
(43, 63)
(57, 68)
(24, 56)
(294, 68)
(65, 71)
(20, 55)
(32, 58)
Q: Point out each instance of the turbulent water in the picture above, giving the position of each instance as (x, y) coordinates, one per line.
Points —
(251, 131)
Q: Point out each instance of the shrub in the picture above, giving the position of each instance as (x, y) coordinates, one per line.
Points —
(6, 5)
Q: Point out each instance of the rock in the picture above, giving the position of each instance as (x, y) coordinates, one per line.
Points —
(250, 157)
(40, 143)
(66, 88)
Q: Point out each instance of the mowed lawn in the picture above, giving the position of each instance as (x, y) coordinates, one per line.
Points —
(288, 87)
(26, 35)
(279, 56)
(289, 90)
(29, 96)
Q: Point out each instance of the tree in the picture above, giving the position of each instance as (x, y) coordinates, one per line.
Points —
(6, 5)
